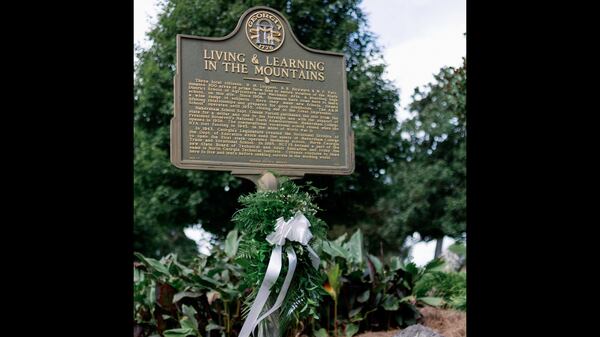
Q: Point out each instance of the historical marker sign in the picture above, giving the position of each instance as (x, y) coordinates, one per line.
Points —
(257, 100)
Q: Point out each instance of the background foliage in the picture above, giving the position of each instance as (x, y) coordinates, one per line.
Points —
(427, 193)
(362, 292)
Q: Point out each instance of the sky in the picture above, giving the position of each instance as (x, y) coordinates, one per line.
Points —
(417, 37)
(144, 15)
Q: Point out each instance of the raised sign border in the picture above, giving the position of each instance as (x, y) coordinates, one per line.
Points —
(242, 168)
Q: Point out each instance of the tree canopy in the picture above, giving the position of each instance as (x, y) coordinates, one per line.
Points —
(428, 194)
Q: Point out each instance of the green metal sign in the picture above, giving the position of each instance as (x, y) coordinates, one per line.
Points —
(258, 100)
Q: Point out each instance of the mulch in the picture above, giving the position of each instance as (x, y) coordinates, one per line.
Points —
(447, 322)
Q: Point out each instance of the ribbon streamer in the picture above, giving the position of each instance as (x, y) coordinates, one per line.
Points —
(295, 229)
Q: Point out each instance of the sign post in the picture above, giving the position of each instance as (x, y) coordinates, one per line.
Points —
(258, 101)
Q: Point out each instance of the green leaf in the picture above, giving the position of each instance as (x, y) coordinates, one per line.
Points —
(390, 303)
(190, 313)
(212, 326)
(205, 281)
(185, 270)
(395, 263)
(355, 311)
(355, 247)
(187, 323)
(334, 274)
(362, 298)
(334, 249)
(435, 265)
(183, 294)
(232, 294)
(459, 249)
(433, 301)
(151, 295)
(154, 264)
(362, 316)
(321, 333)
(231, 244)
(409, 299)
(376, 263)
(412, 269)
(138, 275)
(351, 329)
(181, 332)
(399, 319)
(341, 239)
(378, 297)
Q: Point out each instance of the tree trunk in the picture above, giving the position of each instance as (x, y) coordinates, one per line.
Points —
(438, 247)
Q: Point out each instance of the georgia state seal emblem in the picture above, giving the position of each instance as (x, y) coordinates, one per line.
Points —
(265, 31)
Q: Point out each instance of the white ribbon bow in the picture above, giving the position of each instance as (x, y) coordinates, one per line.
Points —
(295, 229)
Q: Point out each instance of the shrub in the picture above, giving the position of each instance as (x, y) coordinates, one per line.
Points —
(451, 287)
(366, 293)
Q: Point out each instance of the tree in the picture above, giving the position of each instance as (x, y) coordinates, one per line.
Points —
(167, 199)
(429, 185)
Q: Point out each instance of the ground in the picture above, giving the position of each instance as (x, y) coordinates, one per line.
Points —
(449, 323)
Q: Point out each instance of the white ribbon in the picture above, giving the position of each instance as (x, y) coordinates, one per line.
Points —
(295, 229)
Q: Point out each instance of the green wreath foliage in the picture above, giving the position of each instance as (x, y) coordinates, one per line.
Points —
(257, 220)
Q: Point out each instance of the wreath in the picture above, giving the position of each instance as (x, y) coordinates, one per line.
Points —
(272, 221)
